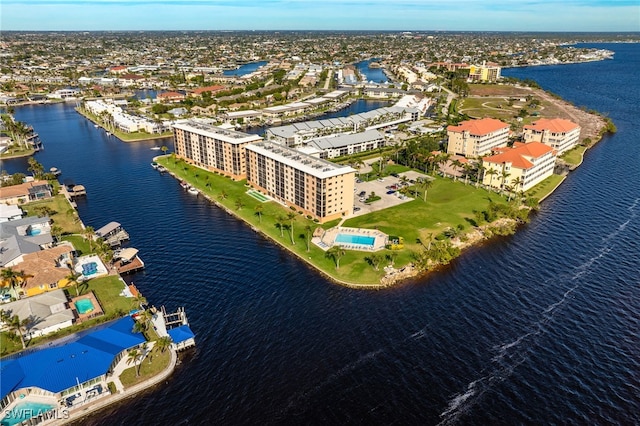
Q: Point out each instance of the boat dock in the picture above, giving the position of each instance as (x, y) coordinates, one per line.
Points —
(127, 261)
(113, 234)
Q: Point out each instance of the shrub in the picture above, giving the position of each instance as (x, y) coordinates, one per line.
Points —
(112, 387)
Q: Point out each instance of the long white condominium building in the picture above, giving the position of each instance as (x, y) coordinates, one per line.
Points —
(474, 138)
(558, 133)
(316, 187)
(213, 148)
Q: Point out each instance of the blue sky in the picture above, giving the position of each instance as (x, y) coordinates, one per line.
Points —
(453, 15)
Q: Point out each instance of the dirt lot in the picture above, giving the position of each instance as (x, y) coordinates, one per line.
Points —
(555, 107)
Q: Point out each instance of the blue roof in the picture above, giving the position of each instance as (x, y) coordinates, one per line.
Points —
(58, 368)
(180, 334)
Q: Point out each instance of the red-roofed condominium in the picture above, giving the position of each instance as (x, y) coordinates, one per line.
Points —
(558, 133)
(475, 138)
(520, 167)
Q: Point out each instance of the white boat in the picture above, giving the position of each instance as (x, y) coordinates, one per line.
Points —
(184, 185)
(96, 126)
(155, 148)
(108, 134)
(161, 169)
(192, 190)
(154, 165)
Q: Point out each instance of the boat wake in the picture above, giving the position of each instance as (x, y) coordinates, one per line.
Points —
(511, 354)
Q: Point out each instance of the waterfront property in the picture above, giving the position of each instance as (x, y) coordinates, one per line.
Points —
(474, 138)
(316, 187)
(558, 133)
(23, 236)
(26, 192)
(45, 270)
(347, 143)
(44, 313)
(90, 267)
(213, 148)
(359, 239)
(69, 374)
(523, 166)
(113, 234)
(86, 307)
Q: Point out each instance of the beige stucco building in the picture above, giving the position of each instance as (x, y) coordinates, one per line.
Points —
(558, 133)
(213, 148)
(524, 166)
(316, 187)
(474, 138)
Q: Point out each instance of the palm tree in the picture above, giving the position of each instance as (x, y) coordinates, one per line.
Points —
(375, 260)
(239, 204)
(88, 235)
(392, 257)
(14, 323)
(291, 216)
(163, 343)
(72, 278)
(223, 194)
(259, 208)
(425, 184)
(335, 253)
(479, 174)
(491, 172)
(132, 357)
(280, 224)
(12, 277)
(164, 149)
(56, 232)
(308, 231)
(505, 174)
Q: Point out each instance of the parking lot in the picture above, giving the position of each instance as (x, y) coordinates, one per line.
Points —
(379, 187)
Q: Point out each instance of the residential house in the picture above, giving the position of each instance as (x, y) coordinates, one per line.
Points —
(44, 314)
(26, 192)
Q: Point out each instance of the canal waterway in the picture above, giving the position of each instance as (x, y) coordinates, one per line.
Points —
(375, 75)
(245, 69)
(537, 328)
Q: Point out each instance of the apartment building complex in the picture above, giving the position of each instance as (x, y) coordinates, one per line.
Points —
(318, 188)
(213, 148)
(484, 72)
(558, 133)
(523, 166)
(474, 138)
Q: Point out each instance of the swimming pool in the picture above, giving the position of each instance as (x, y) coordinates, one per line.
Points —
(90, 268)
(84, 306)
(24, 411)
(355, 239)
(34, 232)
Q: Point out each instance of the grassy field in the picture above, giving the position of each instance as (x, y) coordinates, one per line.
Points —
(154, 363)
(544, 188)
(79, 243)
(574, 156)
(448, 204)
(63, 214)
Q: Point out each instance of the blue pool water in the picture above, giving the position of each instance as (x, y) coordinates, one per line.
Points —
(89, 268)
(84, 305)
(355, 239)
(34, 232)
(24, 411)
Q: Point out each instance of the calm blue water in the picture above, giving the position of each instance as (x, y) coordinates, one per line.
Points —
(355, 239)
(245, 69)
(537, 328)
(373, 74)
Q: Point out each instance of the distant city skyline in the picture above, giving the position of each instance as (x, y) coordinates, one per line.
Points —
(401, 15)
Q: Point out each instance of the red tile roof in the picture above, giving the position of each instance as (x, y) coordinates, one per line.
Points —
(479, 127)
(118, 68)
(200, 90)
(171, 95)
(555, 125)
(517, 155)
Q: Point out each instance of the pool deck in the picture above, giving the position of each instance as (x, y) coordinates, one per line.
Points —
(101, 268)
(328, 239)
(97, 309)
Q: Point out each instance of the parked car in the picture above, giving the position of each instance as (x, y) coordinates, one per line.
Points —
(380, 180)
(391, 191)
(356, 209)
(362, 194)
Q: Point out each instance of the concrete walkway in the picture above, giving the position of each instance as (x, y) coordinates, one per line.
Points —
(76, 414)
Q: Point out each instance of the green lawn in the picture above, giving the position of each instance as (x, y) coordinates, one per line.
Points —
(448, 204)
(544, 188)
(574, 155)
(9, 345)
(79, 243)
(63, 214)
(107, 291)
(154, 363)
